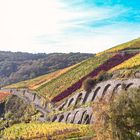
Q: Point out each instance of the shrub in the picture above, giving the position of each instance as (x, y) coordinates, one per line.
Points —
(16, 110)
(125, 115)
(119, 119)
(88, 84)
(103, 75)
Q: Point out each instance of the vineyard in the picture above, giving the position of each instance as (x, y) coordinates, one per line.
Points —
(58, 87)
(59, 131)
(64, 81)
(133, 62)
(134, 44)
(110, 63)
(41, 80)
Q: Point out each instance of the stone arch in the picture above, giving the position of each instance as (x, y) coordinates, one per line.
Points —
(68, 116)
(87, 119)
(71, 100)
(24, 91)
(74, 117)
(63, 105)
(105, 90)
(42, 114)
(34, 97)
(85, 98)
(80, 121)
(95, 93)
(115, 89)
(128, 86)
(79, 98)
(61, 118)
(11, 90)
(54, 118)
(137, 74)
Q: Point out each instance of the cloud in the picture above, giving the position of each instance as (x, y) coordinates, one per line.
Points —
(63, 26)
(96, 41)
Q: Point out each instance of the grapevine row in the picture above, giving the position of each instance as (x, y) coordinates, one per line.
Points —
(112, 62)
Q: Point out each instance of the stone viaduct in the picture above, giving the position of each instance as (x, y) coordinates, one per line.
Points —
(82, 114)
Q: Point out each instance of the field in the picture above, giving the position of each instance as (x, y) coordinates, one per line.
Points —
(47, 131)
(133, 62)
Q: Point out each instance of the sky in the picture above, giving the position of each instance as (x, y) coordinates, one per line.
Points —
(87, 26)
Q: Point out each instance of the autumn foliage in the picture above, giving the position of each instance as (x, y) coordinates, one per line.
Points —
(3, 95)
(118, 119)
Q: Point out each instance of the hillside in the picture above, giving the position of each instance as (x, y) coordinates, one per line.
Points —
(18, 66)
(65, 83)
(59, 97)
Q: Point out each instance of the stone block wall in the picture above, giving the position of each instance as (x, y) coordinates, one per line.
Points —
(101, 90)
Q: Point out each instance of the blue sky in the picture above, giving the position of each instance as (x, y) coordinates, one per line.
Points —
(67, 25)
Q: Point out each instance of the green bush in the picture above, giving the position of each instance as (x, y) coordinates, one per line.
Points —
(125, 115)
(88, 84)
(120, 118)
(104, 75)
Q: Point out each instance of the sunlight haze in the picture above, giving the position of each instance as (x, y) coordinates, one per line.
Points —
(67, 26)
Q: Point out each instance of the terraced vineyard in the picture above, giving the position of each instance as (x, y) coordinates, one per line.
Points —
(131, 45)
(60, 85)
(64, 81)
(110, 63)
(41, 80)
(47, 131)
(133, 62)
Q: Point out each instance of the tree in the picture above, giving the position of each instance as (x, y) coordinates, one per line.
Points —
(120, 118)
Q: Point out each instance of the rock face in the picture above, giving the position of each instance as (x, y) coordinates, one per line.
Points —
(84, 115)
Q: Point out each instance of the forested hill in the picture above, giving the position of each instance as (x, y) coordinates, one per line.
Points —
(18, 66)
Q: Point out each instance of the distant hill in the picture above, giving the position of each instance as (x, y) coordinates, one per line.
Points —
(18, 66)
